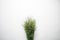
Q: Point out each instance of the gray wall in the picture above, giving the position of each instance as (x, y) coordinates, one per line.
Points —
(13, 13)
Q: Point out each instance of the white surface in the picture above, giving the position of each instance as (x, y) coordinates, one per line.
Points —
(13, 13)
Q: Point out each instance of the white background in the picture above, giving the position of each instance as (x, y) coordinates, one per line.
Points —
(13, 13)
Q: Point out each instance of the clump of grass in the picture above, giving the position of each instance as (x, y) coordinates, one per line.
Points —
(29, 27)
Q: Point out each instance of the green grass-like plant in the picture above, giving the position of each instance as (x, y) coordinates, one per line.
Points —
(29, 27)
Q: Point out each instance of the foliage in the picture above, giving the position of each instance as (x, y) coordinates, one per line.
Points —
(29, 27)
